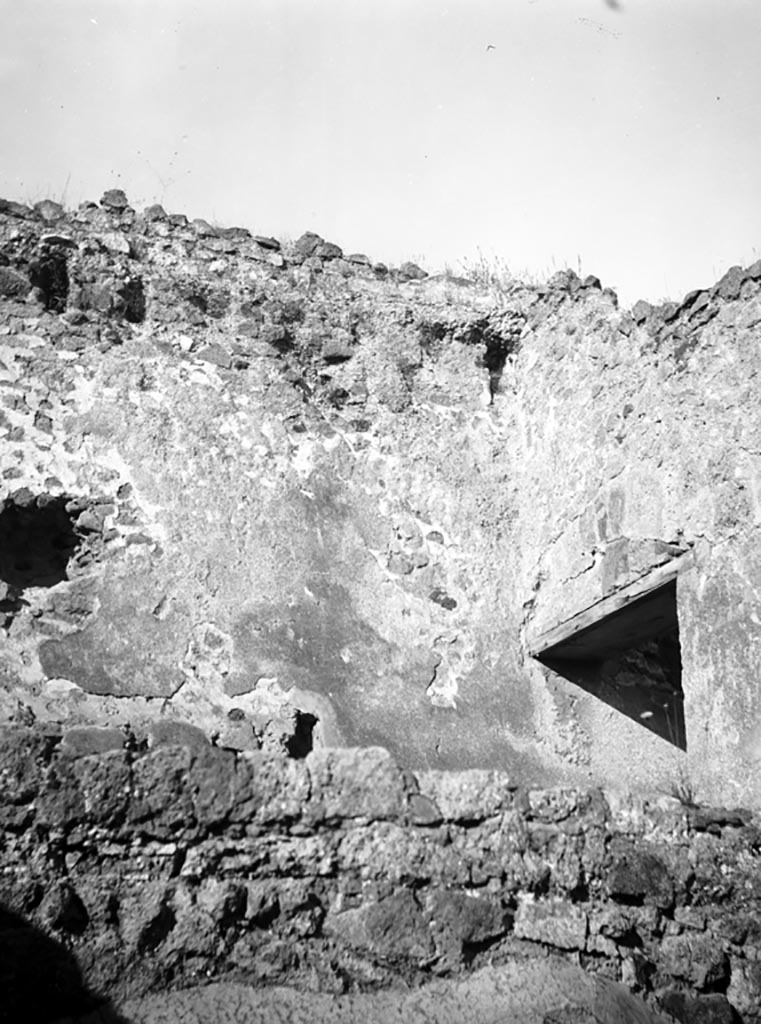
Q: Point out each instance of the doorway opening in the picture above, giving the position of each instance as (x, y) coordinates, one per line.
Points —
(625, 651)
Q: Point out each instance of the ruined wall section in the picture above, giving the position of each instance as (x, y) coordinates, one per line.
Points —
(637, 440)
(287, 489)
(302, 492)
(176, 864)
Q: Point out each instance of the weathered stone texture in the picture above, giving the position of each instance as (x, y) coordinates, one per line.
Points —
(316, 501)
(159, 867)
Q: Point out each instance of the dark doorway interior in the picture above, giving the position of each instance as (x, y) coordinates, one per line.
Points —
(631, 659)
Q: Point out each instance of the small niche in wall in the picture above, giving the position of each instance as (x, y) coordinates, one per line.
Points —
(625, 651)
(37, 539)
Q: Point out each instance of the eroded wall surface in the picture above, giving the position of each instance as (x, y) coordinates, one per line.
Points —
(132, 870)
(296, 499)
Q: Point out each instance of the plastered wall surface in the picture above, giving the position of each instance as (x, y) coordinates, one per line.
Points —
(299, 500)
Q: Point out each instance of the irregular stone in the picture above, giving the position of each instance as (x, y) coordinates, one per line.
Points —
(355, 783)
(49, 210)
(465, 919)
(235, 234)
(744, 991)
(269, 787)
(211, 787)
(154, 212)
(565, 281)
(21, 753)
(82, 741)
(710, 1009)
(116, 242)
(306, 245)
(204, 229)
(174, 733)
(393, 929)
(60, 804)
(141, 658)
(114, 199)
(695, 958)
(467, 796)
(12, 209)
(215, 355)
(161, 803)
(338, 347)
(105, 782)
(440, 597)
(555, 922)
(640, 877)
(13, 284)
(728, 287)
(412, 272)
(267, 243)
(63, 909)
(669, 312)
(641, 310)
(328, 251)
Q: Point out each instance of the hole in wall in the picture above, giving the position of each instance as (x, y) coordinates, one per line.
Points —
(631, 660)
(37, 539)
(302, 740)
(132, 297)
(50, 275)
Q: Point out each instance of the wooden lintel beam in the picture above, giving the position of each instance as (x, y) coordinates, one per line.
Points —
(607, 606)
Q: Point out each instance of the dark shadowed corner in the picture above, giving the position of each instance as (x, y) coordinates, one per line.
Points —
(40, 980)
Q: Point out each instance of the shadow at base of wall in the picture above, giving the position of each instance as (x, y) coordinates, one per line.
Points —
(40, 979)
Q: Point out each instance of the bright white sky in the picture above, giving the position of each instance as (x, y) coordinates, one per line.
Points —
(622, 135)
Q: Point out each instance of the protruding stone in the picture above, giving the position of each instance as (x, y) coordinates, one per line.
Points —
(204, 229)
(564, 281)
(154, 212)
(412, 272)
(392, 929)
(114, 199)
(555, 922)
(728, 287)
(338, 347)
(639, 876)
(13, 284)
(356, 783)
(267, 243)
(176, 733)
(328, 251)
(216, 355)
(641, 310)
(49, 210)
(83, 741)
(306, 245)
(234, 234)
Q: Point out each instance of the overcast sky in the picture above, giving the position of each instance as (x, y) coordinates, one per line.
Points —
(622, 135)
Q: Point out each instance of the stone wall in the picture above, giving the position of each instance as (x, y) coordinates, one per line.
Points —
(181, 864)
(297, 499)
(640, 442)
